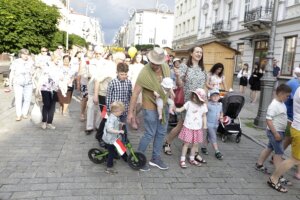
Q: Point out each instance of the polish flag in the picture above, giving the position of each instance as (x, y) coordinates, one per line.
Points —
(120, 146)
(104, 113)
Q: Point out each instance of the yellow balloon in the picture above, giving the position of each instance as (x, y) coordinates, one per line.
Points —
(132, 51)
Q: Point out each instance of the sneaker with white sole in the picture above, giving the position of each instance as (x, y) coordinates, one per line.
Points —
(50, 126)
(158, 163)
(146, 168)
(44, 125)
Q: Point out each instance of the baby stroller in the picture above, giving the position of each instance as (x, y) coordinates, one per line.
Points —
(232, 105)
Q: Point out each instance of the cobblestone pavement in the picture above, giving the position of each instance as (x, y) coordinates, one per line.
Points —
(53, 164)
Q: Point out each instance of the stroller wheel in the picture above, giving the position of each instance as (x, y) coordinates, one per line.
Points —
(238, 139)
(224, 138)
(97, 156)
(139, 163)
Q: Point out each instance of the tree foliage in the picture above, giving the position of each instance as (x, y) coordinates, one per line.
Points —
(26, 24)
(60, 39)
(140, 47)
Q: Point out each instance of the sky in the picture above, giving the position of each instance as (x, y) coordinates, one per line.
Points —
(113, 13)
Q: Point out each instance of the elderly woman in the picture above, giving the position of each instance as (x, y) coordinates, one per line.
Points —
(191, 76)
(21, 80)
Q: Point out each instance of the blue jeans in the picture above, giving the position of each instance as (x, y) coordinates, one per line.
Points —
(276, 146)
(155, 130)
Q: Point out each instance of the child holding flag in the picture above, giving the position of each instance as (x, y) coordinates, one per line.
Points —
(111, 135)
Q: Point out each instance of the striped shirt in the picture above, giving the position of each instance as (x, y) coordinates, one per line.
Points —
(118, 90)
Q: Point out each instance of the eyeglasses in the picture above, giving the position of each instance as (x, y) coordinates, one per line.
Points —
(44, 51)
(60, 48)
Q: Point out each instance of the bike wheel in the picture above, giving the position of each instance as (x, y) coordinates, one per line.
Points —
(141, 161)
(96, 156)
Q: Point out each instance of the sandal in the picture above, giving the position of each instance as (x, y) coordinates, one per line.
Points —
(284, 181)
(167, 149)
(261, 168)
(194, 162)
(182, 164)
(199, 159)
(277, 186)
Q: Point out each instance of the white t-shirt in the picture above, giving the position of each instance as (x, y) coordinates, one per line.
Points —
(296, 110)
(277, 113)
(193, 117)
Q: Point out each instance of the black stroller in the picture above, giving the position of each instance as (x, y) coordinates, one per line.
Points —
(232, 105)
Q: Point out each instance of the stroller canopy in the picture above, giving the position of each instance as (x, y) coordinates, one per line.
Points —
(232, 104)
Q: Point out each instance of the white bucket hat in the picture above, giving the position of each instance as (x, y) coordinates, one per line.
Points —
(156, 56)
(167, 83)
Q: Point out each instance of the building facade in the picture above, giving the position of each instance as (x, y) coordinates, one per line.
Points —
(186, 19)
(147, 26)
(86, 27)
(245, 26)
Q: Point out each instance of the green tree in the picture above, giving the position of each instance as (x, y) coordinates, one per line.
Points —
(26, 24)
(60, 39)
(140, 47)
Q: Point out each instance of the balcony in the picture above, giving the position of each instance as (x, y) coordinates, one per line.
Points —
(221, 29)
(258, 18)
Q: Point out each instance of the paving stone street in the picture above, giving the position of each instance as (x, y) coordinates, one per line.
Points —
(53, 164)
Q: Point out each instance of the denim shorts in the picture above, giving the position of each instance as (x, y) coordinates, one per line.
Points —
(276, 146)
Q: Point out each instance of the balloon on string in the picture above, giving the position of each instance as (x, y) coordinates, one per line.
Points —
(132, 51)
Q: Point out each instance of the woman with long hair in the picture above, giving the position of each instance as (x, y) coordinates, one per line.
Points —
(191, 76)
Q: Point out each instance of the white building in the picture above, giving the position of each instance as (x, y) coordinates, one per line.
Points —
(146, 26)
(86, 27)
(245, 25)
(186, 19)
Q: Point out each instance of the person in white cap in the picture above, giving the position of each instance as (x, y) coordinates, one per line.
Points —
(147, 82)
(167, 86)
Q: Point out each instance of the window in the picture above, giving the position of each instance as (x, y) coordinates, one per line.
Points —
(140, 18)
(188, 26)
(288, 55)
(179, 31)
(239, 61)
(205, 21)
(181, 9)
(185, 6)
(176, 30)
(183, 27)
(297, 1)
(247, 5)
(139, 40)
(216, 15)
(229, 11)
(151, 40)
(164, 41)
(177, 11)
(193, 23)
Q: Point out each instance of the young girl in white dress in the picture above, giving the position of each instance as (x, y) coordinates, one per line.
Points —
(194, 125)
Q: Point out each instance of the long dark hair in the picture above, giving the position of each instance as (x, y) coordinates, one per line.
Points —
(190, 63)
(216, 67)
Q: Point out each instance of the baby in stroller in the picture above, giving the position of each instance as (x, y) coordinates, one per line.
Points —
(232, 105)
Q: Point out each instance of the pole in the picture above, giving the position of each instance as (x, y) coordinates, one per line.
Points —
(154, 39)
(67, 34)
(267, 81)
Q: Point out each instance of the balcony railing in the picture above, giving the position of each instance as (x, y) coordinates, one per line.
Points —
(258, 14)
(221, 28)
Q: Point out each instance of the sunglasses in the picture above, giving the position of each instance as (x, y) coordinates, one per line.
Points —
(44, 51)
(60, 48)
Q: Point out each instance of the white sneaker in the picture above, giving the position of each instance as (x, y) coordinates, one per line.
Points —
(44, 125)
(50, 126)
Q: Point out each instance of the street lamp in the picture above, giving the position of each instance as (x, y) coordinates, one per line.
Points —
(67, 32)
(164, 8)
(267, 81)
(89, 7)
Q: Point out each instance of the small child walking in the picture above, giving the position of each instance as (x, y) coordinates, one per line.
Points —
(167, 86)
(194, 123)
(276, 124)
(111, 134)
(214, 116)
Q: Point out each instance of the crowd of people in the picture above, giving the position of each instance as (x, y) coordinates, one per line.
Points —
(120, 86)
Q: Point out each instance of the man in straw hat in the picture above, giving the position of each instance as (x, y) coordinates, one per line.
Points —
(147, 82)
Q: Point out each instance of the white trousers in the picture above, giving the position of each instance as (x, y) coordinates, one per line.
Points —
(23, 96)
(90, 113)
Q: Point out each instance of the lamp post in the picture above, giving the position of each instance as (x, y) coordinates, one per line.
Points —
(267, 81)
(67, 32)
(90, 7)
(164, 9)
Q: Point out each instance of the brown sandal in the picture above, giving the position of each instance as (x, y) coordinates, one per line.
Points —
(277, 186)
(167, 149)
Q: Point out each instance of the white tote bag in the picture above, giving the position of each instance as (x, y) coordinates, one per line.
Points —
(36, 114)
